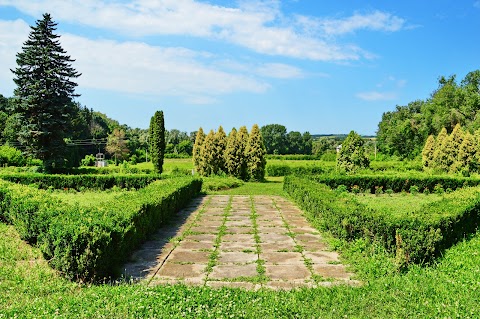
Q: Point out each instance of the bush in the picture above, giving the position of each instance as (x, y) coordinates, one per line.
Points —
(89, 244)
(284, 169)
(100, 182)
(413, 238)
(216, 183)
(10, 156)
(88, 160)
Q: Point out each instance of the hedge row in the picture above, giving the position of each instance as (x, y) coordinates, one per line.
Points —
(284, 170)
(88, 244)
(414, 238)
(79, 182)
(395, 183)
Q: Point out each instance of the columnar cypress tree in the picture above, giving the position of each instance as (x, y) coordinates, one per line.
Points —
(255, 155)
(157, 141)
(44, 93)
(220, 147)
(242, 140)
(438, 154)
(466, 154)
(208, 154)
(232, 156)
(197, 160)
(454, 141)
(427, 153)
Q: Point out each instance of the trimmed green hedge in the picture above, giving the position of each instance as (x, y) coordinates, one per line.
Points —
(284, 169)
(79, 182)
(88, 244)
(418, 237)
(395, 183)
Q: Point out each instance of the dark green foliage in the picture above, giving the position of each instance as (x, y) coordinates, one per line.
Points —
(403, 132)
(275, 138)
(43, 97)
(283, 170)
(89, 244)
(396, 183)
(242, 141)
(157, 141)
(352, 154)
(79, 182)
(255, 155)
(413, 238)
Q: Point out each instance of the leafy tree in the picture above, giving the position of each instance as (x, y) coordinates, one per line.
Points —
(295, 142)
(307, 143)
(197, 158)
(44, 93)
(242, 142)
(275, 138)
(427, 153)
(255, 155)
(157, 141)
(352, 154)
(116, 144)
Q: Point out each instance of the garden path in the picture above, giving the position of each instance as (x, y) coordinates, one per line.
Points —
(238, 241)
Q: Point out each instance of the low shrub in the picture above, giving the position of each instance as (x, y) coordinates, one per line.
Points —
(413, 238)
(275, 170)
(88, 244)
(78, 182)
(396, 183)
(216, 183)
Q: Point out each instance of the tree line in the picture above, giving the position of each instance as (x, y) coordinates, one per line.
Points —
(404, 131)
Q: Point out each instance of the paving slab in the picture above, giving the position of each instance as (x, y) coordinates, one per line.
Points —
(287, 243)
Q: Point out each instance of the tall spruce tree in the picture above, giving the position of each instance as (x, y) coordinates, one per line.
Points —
(439, 154)
(255, 155)
(157, 141)
(197, 159)
(466, 160)
(44, 93)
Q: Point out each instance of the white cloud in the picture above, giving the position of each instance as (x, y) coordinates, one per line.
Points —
(135, 67)
(258, 26)
(376, 96)
(12, 35)
(279, 71)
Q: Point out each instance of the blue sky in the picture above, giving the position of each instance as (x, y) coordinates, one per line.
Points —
(317, 66)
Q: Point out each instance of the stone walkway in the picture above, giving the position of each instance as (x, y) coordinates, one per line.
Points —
(238, 241)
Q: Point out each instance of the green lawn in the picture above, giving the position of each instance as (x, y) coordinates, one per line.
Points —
(88, 198)
(29, 288)
(399, 203)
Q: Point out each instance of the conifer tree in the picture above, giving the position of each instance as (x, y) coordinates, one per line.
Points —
(197, 160)
(242, 142)
(466, 154)
(427, 153)
(220, 147)
(44, 93)
(453, 147)
(207, 154)
(438, 154)
(255, 155)
(232, 155)
(157, 141)
(352, 154)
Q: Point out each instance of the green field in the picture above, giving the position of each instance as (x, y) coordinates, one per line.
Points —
(449, 288)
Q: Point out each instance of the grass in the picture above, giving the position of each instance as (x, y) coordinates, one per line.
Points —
(88, 198)
(450, 288)
(399, 203)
